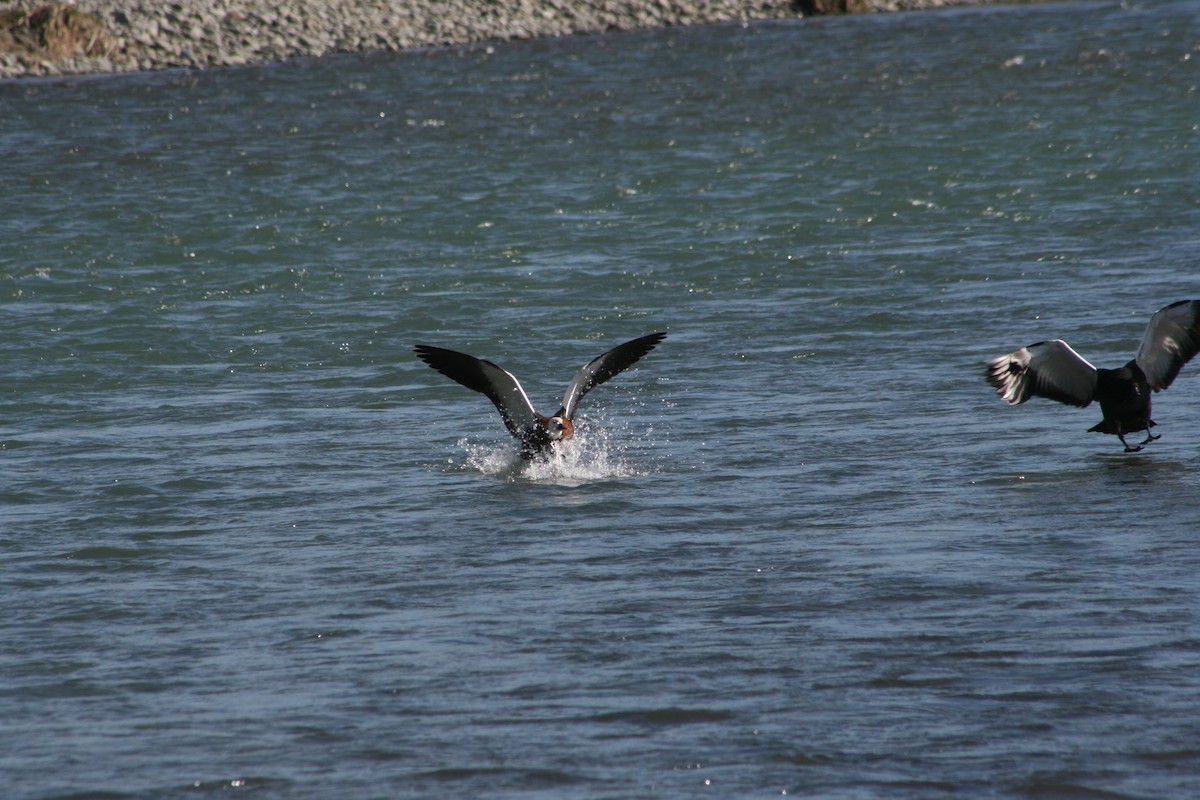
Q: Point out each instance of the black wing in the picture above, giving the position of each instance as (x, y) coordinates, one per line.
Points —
(500, 385)
(600, 369)
(1172, 337)
(1046, 369)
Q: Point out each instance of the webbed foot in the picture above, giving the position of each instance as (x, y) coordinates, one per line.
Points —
(1128, 447)
(1150, 437)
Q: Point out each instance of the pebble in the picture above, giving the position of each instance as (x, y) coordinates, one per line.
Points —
(199, 34)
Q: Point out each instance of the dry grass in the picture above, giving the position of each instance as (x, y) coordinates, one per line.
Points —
(55, 31)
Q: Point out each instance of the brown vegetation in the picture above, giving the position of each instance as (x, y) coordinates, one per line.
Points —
(55, 31)
(816, 7)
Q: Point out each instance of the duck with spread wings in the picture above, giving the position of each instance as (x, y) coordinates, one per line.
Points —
(1052, 369)
(536, 433)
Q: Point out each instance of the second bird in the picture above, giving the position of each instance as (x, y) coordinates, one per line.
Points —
(1052, 369)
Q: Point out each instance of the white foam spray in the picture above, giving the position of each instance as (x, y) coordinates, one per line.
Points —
(593, 455)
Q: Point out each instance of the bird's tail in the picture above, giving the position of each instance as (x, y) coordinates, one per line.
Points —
(1110, 427)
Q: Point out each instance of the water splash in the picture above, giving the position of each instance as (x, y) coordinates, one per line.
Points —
(595, 455)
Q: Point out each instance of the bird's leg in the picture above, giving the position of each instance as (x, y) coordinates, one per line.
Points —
(1128, 448)
(1150, 437)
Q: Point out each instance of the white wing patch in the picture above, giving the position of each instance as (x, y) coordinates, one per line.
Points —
(1046, 369)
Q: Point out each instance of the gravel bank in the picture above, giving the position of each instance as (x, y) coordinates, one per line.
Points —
(96, 36)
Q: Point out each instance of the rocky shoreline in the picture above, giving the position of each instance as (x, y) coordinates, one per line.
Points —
(72, 37)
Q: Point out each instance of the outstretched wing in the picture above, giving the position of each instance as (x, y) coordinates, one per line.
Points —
(500, 385)
(600, 369)
(1172, 337)
(1046, 369)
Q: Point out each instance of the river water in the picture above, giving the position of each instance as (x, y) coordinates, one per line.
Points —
(250, 543)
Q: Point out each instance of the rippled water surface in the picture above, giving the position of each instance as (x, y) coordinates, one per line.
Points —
(251, 543)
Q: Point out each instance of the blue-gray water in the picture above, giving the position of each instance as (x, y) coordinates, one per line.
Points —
(251, 543)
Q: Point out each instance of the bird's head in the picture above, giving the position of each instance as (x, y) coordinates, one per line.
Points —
(560, 428)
